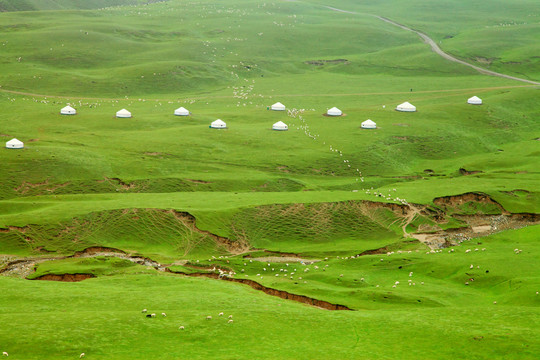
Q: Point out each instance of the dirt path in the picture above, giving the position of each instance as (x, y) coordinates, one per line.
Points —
(439, 51)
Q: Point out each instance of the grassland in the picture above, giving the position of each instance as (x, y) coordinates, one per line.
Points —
(193, 198)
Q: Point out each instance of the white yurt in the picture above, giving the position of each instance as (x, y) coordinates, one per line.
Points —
(334, 112)
(368, 124)
(14, 144)
(280, 126)
(278, 106)
(181, 111)
(123, 114)
(406, 106)
(475, 100)
(68, 110)
(218, 124)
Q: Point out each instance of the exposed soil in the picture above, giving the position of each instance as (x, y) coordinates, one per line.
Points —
(324, 62)
(450, 202)
(198, 181)
(97, 250)
(464, 172)
(24, 267)
(478, 226)
(125, 186)
(274, 292)
(65, 277)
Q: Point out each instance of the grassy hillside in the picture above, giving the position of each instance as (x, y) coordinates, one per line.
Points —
(246, 199)
(490, 34)
(438, 303)
(33, 5)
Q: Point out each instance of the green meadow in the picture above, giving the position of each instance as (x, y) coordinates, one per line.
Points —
(326, 211)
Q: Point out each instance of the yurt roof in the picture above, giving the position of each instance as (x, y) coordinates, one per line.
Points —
(218, 122)
(278, 104)
(407, 105)
(279, 124)
(334, 109)
(68, 108)
(474, 98)
(181, 109)
(14, 141)
(369, 122)
(123, 112)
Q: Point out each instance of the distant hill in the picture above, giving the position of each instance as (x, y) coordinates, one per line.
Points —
(33, 5)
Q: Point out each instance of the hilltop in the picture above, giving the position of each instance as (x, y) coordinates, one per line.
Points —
(326, 234)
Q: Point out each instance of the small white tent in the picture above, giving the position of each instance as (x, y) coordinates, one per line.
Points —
(14, 144)
(334, 112)
(181, 111)
(123, 114)
(218, 124)
(368, 124)
(280, 126)
(68, 110)
(278, 106)
(406, 106)
(475, 100)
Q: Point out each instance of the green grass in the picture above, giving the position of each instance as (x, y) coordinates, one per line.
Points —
(75, 312)
(95, 180)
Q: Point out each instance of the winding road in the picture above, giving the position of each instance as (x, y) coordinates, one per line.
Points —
(439, 51)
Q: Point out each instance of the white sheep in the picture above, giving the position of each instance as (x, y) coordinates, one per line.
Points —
(181, 328)
(153, 315)
(220, 314)
(5, 354)
(82, 355)
(209, 317)
(144, 311)
(230, 321)
(230, 316)
(163, 314)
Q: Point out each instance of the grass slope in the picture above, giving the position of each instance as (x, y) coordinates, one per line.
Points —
(93, 179)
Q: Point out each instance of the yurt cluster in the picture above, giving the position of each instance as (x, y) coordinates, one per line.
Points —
(220, 124)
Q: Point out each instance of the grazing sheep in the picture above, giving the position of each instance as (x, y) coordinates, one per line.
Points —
(230, 316)
(181, 328)
(220, 314)
(153, 315)
(163, 314)
(230, 321)
(5, 354)
(82, 355)
(209, 317)
(144, 311)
